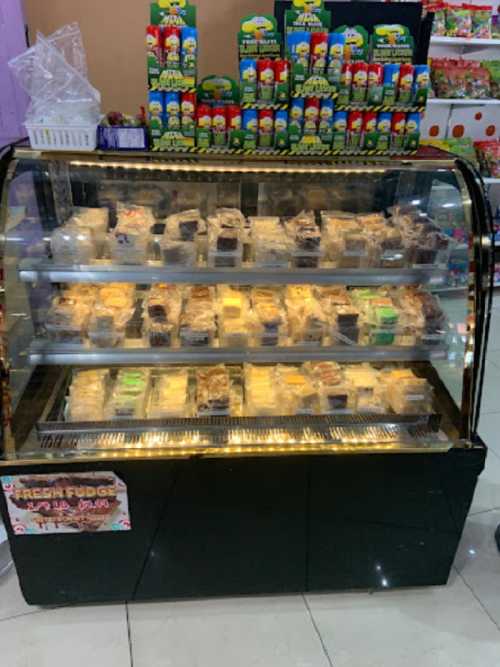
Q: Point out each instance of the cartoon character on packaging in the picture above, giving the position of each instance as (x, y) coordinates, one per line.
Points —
(189, 46)
(235, 123)
(325, 117)
(371, 125)
(296, 115)
(311, 113)
(266, 124)
(219, 123)
(422, 80)
(411, 126)
(359, 79)
(406, 82)
(320, 52)
(373, 79)
(172, 48)
(173, 6)
(340, 125)
(267, 76)
(280, 125)
(173, 108)
(187, 108)
(302, 51)
(251, 125)
(152, 42)
(398, 127)
(173, 122)
(204, 122)
(155, 110)
(249, 75)
(356, 125)
(384, 125)
(336, 51)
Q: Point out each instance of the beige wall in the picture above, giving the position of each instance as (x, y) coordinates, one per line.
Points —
(114, 33)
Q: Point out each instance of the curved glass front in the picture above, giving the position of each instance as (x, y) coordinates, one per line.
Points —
(169, 308)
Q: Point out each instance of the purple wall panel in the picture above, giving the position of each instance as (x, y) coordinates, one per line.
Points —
(13, 100)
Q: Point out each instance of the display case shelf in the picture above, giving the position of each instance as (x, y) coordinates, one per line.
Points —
(48, 353)
(33, 270)
(439, 40)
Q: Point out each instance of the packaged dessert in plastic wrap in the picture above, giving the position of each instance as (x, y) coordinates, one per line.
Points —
(73, 243)
(97, 220)
(270, 318)
(105, 328)
(186, 225)
(87, 395)
(234, 317)
(308, 324)
(298, 394)
(271, 244)
(305, 235)
(112, 311)
(336, 394)
(67, 320)
(406, 393)
(213, 391)
(261, 396)
(198, 318)
(225, 249)
(369, 392)
(130, 240)
(129, 394)
(169, 396)
(178, 253)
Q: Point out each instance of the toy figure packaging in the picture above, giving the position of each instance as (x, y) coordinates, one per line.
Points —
(154, 54)
(391, 81)
(384, 122)
(156, 109)
(281, 129)
(339, 130)
(375, 91)
(248, 80)
(412, 131)
(356, 42)
(405, 84)
(370, 134)
(398, 126)
(359, 81)
(325, 129)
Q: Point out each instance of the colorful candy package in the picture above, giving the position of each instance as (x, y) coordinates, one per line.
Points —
(458, 21)
(488, 153)
(439, 23)
(481, 21)
(493, 67)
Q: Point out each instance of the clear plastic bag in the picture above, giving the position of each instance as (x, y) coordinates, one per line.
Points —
(59, 90)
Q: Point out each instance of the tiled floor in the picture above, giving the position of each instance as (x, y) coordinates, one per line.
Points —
(457, 625)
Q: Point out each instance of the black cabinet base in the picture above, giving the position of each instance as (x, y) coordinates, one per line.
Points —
(213, 527)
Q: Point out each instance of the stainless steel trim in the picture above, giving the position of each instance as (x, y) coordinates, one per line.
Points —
(32, 270)
(44, 352)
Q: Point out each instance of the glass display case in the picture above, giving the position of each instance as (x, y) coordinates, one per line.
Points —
(258, 316)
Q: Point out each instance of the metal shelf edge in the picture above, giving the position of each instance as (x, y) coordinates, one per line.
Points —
(51, 354)
(31, 271)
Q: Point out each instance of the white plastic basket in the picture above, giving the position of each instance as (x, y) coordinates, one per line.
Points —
(62, 137)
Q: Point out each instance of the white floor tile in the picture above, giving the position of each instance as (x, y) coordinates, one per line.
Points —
(76, 636)
(487, 494)
(11, 599)
(430, 627)
(489, 430)
(478, 560)
(264, 631)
